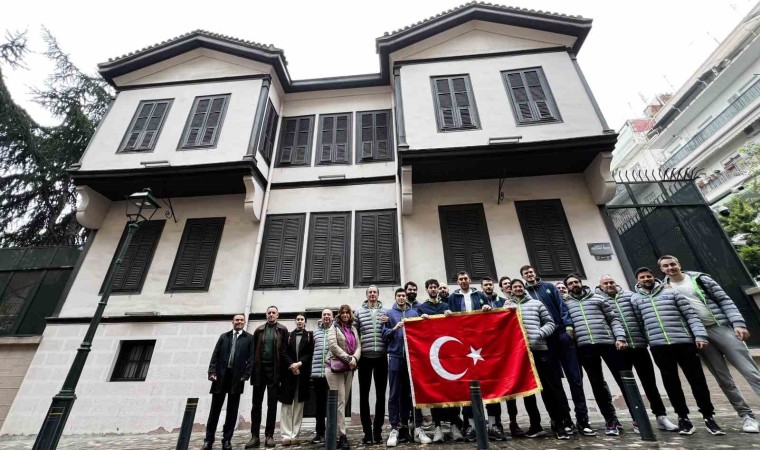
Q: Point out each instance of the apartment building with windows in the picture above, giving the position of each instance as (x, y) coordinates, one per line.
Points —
(478, 146)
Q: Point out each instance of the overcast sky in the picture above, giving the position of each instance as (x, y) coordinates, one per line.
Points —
(638, 48)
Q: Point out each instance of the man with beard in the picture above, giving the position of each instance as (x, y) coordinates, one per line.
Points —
(561, 343)
(436, 305)
(411, 294)
(531, 407)
(599, 335)
(636, 355)
(318, 362)
(675, 333)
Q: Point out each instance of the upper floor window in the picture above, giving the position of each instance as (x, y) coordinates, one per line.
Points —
(145, 127)
(280, 260)
(334, 139)
(532, 101)
(266, 145)
(196, 255)
(130, 276)
(454, 103)
(295, 141)
(373, 136)
(205, 122)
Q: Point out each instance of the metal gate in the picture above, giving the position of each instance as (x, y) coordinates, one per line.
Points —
(655, 214)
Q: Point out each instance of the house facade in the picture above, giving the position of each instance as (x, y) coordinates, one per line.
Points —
(478, 146)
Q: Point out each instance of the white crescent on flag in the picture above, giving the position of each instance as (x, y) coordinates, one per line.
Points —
(436, 362)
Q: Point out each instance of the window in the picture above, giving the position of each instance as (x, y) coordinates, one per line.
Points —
(466, 245)
(266, 145)
(133, 361)
(196, 255)
(373, 136)
(532, 101)
(376, 248)
(328, 253)
(280, 261)
(334, 139)
(454, 103)
(145, 127)
(131, 274)
(295, 141)
(205, 122)
(548, 238)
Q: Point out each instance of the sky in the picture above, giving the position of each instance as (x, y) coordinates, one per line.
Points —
(635, 50)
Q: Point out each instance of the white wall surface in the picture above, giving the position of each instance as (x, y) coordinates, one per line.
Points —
(232, 145)
(493, 102)
(229, 282)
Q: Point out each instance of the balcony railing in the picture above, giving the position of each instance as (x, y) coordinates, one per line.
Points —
(739, 169)
(715, 125)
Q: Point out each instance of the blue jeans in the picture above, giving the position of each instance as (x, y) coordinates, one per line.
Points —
(564, 356)
(400, 397)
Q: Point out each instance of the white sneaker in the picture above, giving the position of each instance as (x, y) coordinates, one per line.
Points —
(420, 436)
(438, 435)
(456, 434)
(663, 423)
(392, 439)
(749, 425)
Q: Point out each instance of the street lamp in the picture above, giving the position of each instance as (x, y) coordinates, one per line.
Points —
(141, 206)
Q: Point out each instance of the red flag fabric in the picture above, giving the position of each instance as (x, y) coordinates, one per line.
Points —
(446, 353)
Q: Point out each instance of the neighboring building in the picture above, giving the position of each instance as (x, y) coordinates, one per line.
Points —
(478, 146)
(711, 116)
(630, 151)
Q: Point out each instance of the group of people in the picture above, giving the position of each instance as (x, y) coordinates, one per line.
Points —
(685, 319)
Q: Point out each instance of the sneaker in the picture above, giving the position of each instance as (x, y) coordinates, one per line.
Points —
(403, 435)
(535, 431)
(570, 427)
(749, 425)
(562, 434)
(611, 429)
(392, 439)
(663, 423)
(318, 439)
(635, 427)
(420, 436)
(456, 434)
(438, 435)
(515, 430)
(713, 427)
(585, 429)
(495, 433)
(619, 425)
(469, 435)
(685, 426)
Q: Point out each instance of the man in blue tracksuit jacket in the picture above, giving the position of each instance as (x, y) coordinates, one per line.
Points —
(562, 343)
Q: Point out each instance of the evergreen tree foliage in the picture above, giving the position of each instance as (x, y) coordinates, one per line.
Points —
(743, 220)
(37, 197)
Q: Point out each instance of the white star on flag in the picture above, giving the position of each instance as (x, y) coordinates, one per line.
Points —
(475, 355)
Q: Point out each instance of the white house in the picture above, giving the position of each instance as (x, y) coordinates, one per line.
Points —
(478, 146)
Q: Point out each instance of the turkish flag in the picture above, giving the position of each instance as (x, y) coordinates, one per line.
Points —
(446, 353)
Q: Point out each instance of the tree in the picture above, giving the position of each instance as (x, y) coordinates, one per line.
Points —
(37, 197)
(751, 153)
(742, 220)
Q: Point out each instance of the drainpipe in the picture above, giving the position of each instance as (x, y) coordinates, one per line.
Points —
(401, 263)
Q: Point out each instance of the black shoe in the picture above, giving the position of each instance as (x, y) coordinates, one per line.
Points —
(367, 439)
(570, 427)
(469, 435)
(611, 429)
(226, 445)
(343, 443)
(684, 426)
(562, 434)
(318, 439)
(713, 427)
(403, 435)
(377, 437)
(585, 429)
(495, 433)
(207, 445)
(255, 442)
(619, 425)
(535, 431)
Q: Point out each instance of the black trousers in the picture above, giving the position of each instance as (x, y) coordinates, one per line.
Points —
(369, 367)
(553, 395)
(217, 400)
(492, 410)
(640, 359)
(668, 358)
(269, 385)
(320, 392)
(591, 357)
(531, 407)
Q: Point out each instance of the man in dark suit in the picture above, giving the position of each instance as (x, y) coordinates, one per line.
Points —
(230, 366)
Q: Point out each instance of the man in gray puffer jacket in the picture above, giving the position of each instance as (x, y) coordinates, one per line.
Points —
(674, 333)
(599, 335)
(318, 362)
(374, 361)
(726, 332)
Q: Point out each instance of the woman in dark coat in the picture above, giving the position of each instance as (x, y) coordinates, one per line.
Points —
(294, 389)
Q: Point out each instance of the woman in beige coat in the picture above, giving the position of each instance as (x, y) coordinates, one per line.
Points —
(345, 350)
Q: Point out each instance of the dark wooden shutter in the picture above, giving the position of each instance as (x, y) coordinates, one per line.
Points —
(454, 102)
(196, 255)
(295, 142)
(373, 136)
(466, 244)
(548, 238)
(205, 122)
(334, 140)
(133, 361)
(328, 255)
(531, 97)
(270, 131)
(131, 274)
(146, 125)
(280, 260)
(376, 248)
